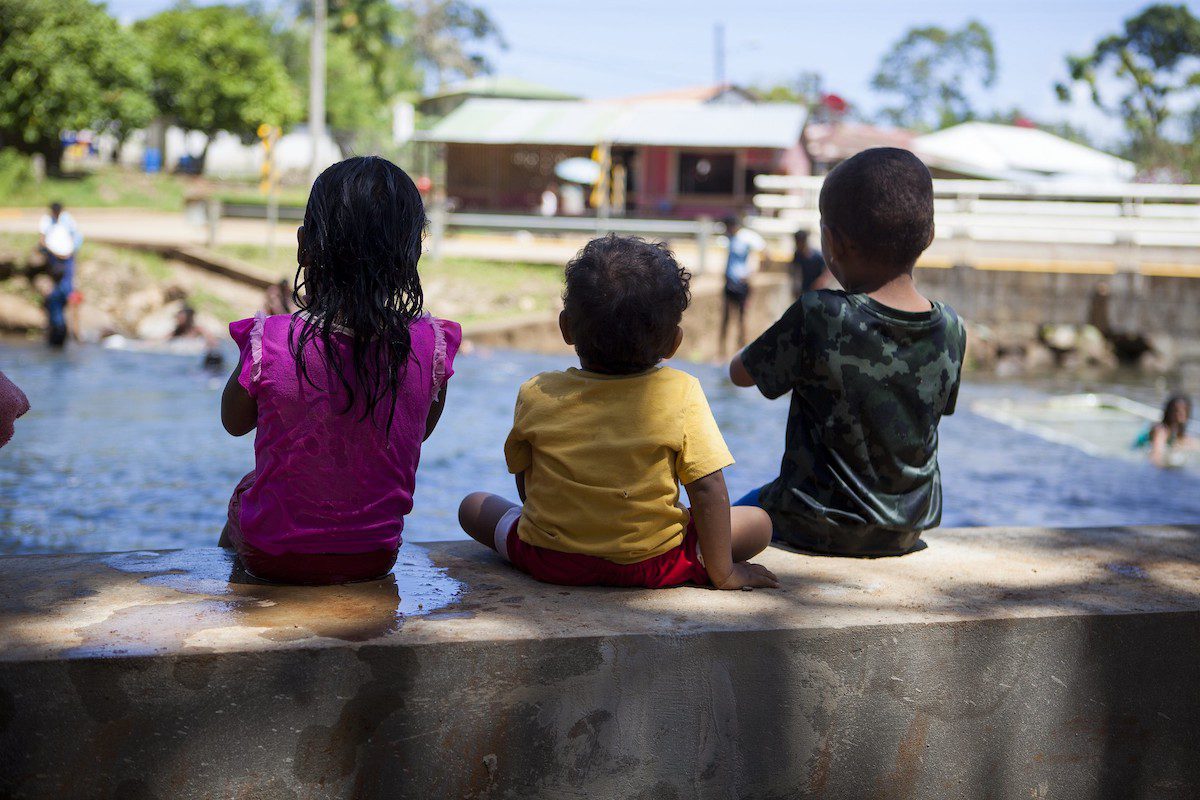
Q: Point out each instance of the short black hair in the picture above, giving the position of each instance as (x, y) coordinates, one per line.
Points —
(56, 207)
(624, 299)
(882, 201)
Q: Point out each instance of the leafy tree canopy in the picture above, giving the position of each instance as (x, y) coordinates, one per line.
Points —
(356, 106)
(375, 32)
(215, 68)
(448, 38)
(66, 64)
(930, 71)
(807, 89)
(1145, 76)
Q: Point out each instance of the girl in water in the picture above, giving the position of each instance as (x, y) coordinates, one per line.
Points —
(1169, 440)
(343, 391)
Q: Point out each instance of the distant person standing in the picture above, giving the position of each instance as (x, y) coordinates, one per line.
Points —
(809, 272)
(549, 202)
(59, 241)
(744, 247)
(572, 201)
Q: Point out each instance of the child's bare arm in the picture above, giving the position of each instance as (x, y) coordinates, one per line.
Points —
(738, 372)
(710, 513)
(1158, 447)
(435, 413)
(239, 411)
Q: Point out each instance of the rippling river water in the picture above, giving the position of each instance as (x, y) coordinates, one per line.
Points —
(125, 451)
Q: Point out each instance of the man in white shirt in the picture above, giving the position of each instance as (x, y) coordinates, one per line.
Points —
(745, 246)
(59, 241)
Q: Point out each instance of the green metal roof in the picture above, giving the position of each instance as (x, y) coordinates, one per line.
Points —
(489, 121)
(498, 86)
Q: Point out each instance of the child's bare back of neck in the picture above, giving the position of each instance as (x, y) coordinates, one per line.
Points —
(901, 294)
(889, 285)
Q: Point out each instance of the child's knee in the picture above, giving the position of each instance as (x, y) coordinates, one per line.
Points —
(752, 531)
(469, 510)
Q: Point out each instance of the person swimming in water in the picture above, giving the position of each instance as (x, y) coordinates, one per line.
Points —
(1168, 440)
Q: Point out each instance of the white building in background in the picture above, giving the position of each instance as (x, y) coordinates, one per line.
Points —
(1015, 153)
(228, 156)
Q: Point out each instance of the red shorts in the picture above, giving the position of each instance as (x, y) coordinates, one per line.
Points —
(679, 565)
(304, 568)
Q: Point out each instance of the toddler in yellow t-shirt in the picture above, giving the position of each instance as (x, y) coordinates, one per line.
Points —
(599, 452)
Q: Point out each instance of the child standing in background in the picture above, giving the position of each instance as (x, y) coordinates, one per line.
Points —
(745, 247)
(599, 452)
(871, 371)
(342, 392)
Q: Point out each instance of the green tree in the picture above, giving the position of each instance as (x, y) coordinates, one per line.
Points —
(446, 37)
(1142, 76)
(357, 108)
(66, 64)
(377, 32)
(930, 71)
(215, 68)
(807, 89)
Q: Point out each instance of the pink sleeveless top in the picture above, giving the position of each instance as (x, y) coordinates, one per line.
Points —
(327, 481)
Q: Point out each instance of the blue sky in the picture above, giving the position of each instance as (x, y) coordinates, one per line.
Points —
(606, 48)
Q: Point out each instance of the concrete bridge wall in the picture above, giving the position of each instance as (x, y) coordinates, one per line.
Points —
(995, 663)
(1154, 304)
(1147, 304)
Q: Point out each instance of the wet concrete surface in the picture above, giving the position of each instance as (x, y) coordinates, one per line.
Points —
(200, 600)
(994, 663)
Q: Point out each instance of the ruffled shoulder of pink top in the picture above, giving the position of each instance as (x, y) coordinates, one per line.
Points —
(13, 403)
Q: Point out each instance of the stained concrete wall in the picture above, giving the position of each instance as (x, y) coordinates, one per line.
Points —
(770, 297)
(1139, 303)
(995, 663)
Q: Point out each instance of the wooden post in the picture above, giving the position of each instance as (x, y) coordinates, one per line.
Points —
(703, 237)
(212, 208)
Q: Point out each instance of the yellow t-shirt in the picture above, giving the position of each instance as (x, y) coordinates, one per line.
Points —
(603, 457)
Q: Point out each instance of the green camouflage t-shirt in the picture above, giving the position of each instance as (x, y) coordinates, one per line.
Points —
(869, 384)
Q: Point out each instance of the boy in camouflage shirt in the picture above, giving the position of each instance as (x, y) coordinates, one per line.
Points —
(871, 369)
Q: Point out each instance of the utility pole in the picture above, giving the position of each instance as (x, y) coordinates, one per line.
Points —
(316, 86)
(269, 185)
(719, 53)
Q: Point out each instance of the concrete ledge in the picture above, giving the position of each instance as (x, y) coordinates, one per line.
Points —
(996, 663)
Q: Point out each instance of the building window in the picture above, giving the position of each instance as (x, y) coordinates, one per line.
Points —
(706, 173)
(751, 174)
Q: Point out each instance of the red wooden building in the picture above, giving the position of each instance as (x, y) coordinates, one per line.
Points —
(682, 157)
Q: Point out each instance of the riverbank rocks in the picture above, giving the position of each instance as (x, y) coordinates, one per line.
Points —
(122, 291)
(19, 314)
(1028, 349)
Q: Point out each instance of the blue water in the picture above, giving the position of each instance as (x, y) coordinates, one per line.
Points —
(125, 451)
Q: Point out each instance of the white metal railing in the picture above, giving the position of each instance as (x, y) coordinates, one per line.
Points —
(1127, 216)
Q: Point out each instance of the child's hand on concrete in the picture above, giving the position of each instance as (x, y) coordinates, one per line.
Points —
(749, 576)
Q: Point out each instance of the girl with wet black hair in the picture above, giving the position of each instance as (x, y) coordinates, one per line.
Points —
(343, 391)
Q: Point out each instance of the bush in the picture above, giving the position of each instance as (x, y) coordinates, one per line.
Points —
(16, 171)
